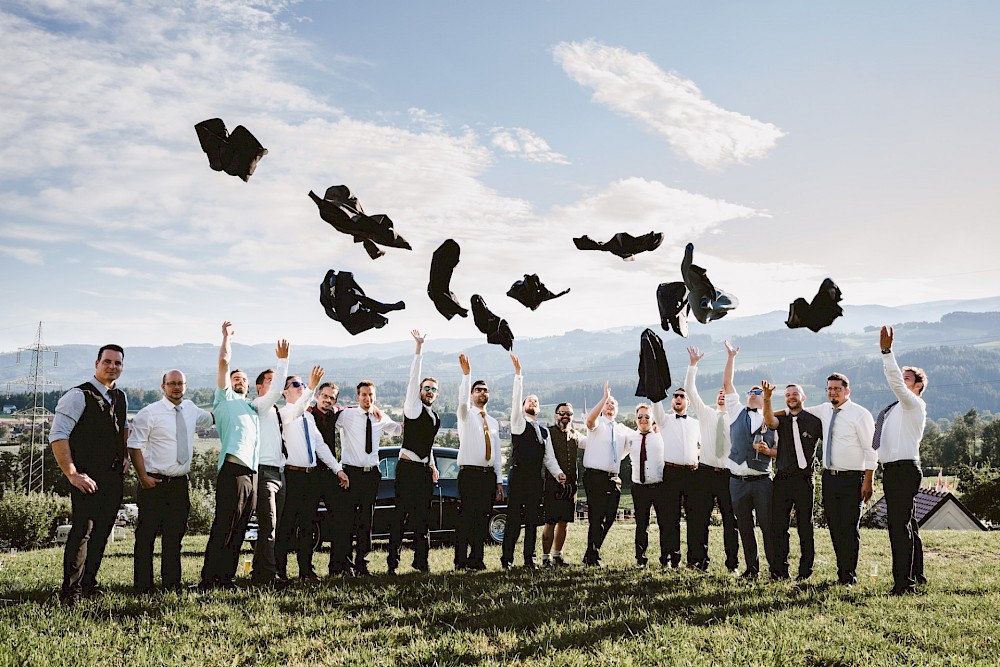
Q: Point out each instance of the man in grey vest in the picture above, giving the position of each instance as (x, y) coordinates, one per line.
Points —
(531, 448)
(749, 466)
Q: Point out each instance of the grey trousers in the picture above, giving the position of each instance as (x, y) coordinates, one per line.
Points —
(270, 502)
(753, 497)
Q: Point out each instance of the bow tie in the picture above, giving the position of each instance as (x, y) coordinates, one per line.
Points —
(680, 416)
(751, 409)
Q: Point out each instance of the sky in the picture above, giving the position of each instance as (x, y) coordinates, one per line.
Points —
(788, 141)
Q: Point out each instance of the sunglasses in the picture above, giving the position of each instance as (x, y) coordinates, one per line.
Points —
(680, 395)
(296, 384)
(565, 414)
(429, 388)
(755, 392)
(480, 390)
(175, 384)
(643, 417)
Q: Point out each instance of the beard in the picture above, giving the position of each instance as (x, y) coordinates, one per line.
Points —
(533, 411)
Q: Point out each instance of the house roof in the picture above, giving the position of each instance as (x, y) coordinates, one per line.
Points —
(925, 504)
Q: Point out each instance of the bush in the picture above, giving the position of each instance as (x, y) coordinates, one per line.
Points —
(29, 521)
(202, 509)
(981, 492)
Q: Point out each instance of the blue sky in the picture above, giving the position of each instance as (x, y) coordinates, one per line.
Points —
(788, 141)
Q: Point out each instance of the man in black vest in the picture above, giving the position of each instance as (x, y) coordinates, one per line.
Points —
(325, 415)
(531, 447)
(88, 439)
(798, 434)
(560, 497)
(750, 479)
(416, 472)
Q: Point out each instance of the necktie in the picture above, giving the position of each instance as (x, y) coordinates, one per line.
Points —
(183, 450)
(751, 409)
(720, 436)
(486, 435)
(879, 423)
(309, 446)
(614, 450)
(829, 439)
(800, 456)
(368, 433)
(642, 460)
(680, 416)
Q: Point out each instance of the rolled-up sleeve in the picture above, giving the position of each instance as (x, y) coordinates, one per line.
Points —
(68, 411)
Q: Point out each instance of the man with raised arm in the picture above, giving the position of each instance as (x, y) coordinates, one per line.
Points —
(750, 479)
(796, 435)
(304, 448)
(712, 477)
(898, 430)
(238, 423)
(480, 478)
(606, 447)
(416, 472)
(530, 456)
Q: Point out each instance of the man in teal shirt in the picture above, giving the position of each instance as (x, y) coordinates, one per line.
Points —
(238, 425)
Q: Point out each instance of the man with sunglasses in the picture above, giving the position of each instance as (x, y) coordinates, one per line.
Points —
(713, 471)
(480, 478)
(750, 479)
(531, 455)
(680, 463)
(416, 472)
(560, 498)
(647, 488)
(304, 446)
(325, 414)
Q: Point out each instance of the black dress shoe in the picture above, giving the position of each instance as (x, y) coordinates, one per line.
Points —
(505, 565)
(803, 576)
(558, 561)
(423, 567)
(921, 580)
(749, 575)
(779, 576)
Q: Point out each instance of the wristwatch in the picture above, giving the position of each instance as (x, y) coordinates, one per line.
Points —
(886, 350)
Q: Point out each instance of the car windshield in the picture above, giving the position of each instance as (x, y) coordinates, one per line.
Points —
(387, 467)
(447, 467)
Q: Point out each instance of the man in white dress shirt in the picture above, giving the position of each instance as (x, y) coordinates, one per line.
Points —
(680, 463)
(304, 446)
(898, 430)
(361, 430)
(605, 447)
(713, 471)
(848, 469)
(647, 483)
(161, 444)
(480, 479)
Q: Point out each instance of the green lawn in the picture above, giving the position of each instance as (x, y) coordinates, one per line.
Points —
(571, 616)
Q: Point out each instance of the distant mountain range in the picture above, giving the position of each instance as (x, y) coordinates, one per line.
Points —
(574, 365)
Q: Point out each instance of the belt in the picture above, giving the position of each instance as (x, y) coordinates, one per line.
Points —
(828, 471)
(703, 466)
(601, 472)
(680, 465)
(900, 463)
(749, 478)
(478, 468)
(359, 468)
(419, 463)
(796, 473)
(301, 468)
(650, 485)
(261, 465)
(167, 478)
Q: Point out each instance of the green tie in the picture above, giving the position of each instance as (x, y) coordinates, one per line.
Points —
(720, 435)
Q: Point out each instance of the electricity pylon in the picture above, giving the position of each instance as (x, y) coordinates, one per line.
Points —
(34, 480)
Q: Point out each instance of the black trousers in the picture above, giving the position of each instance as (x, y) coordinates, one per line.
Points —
(234, 501)
(356, 519)
(710, 487)
(678, 489)
(93, 520)
(335, 501)
(295, 528)
(901, 483)
(603, 496)
(842, 504)
(525, 487)
(644, 498)
(476, 492)
(163, 510)
(414, 493)
(795, 491)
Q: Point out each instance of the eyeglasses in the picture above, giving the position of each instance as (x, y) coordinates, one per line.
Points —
(480, 389)
(565, 414)
(680, 395)
(296, 384)
(329, 397)
(643, 417)
(175, 384)
(755, 392)
(429, 388)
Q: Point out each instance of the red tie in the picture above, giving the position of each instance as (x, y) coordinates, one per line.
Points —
(642, 460)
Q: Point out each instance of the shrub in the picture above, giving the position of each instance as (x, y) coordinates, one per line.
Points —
(28, 521)
(202, 509)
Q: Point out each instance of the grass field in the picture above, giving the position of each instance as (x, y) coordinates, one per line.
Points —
(614, 615)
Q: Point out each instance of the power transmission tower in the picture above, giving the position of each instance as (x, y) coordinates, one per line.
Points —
(34, 480)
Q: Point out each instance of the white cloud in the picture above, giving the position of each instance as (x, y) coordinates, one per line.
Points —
(671, 106)
(525, 144)
(26, 255)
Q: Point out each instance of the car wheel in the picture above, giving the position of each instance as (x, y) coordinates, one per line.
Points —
(498, 524)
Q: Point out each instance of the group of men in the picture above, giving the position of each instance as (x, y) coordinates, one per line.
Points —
(281, 461)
